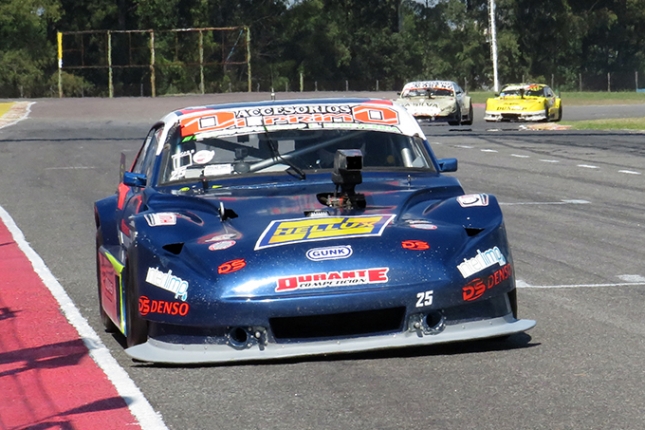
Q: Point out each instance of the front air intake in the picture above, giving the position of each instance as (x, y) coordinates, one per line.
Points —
(338, 325)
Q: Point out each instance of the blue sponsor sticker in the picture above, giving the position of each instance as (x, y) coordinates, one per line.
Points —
(329, 253)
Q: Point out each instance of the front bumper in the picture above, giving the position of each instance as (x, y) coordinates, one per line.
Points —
(157, 351)
(514, 116)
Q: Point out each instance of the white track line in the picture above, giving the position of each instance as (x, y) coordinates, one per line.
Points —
(134, 398)
(522, 284)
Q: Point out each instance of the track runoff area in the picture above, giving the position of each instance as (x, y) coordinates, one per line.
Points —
(55, 373)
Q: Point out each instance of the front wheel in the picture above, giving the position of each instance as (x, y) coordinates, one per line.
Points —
(470, 115)
(136, 327)
(458, 116)
(559, 114)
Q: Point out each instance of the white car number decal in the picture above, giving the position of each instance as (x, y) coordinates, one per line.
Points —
(424, 298)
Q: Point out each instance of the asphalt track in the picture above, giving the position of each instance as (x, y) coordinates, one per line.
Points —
(573, 203)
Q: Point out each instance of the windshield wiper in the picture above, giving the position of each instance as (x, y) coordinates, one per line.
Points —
(273, 146)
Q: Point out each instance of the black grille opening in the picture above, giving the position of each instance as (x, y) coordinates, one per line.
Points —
(338, 325)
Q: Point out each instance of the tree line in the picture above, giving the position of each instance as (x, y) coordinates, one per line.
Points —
(572, 44)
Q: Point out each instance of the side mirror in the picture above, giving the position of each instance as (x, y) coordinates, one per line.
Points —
(447, 165)
(132, 179)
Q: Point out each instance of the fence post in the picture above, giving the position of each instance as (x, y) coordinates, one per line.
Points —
(608, 82)
(248, 55)
(109, 59)
(315, 85)
(59, 37)
(552, 80)
(377, 85)
(346, 85)
(153, 89)
(201, 62)
(302, 82)
(636, 79)
(580, 82)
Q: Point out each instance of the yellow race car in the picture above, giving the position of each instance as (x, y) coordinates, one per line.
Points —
(524, 102)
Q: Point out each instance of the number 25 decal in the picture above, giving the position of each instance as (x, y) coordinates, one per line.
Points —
(424, 299)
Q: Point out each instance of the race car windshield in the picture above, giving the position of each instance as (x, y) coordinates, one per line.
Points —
(441, 92)
(191, 159)
(530, 92)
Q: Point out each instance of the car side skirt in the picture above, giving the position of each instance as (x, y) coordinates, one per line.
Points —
(111, 288)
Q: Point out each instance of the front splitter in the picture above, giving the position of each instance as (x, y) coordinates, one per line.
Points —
(156, 351)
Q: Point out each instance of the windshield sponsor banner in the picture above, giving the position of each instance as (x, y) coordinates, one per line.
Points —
(333, 279)
(286, 232)
(429, 84)
(248, 120)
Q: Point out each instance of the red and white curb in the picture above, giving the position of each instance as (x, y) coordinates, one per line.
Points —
(55, 372)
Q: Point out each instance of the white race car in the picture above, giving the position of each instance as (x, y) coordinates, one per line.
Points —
(437, 101)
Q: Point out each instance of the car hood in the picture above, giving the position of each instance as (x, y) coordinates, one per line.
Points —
(508, 102)
(259, 242)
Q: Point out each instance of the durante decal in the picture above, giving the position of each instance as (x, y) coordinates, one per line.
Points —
(333, 279)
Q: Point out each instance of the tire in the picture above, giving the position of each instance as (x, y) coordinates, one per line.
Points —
(546, 113)
(110, 327)
(136, 328)
(458, 115)
(559, 114)
(470, 115)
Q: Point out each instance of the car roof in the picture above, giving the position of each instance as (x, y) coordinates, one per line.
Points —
(522, 85)
(430, 84)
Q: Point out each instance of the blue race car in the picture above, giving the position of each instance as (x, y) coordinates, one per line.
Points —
(290, 228)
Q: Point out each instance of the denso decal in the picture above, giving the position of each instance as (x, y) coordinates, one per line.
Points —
(285, 232)
(481, 261)
(333, 279)
(161, 218)
(161, 307)
(470, 200)
(330, 253)
(478, 286)
(415, 245)
(168, 282)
